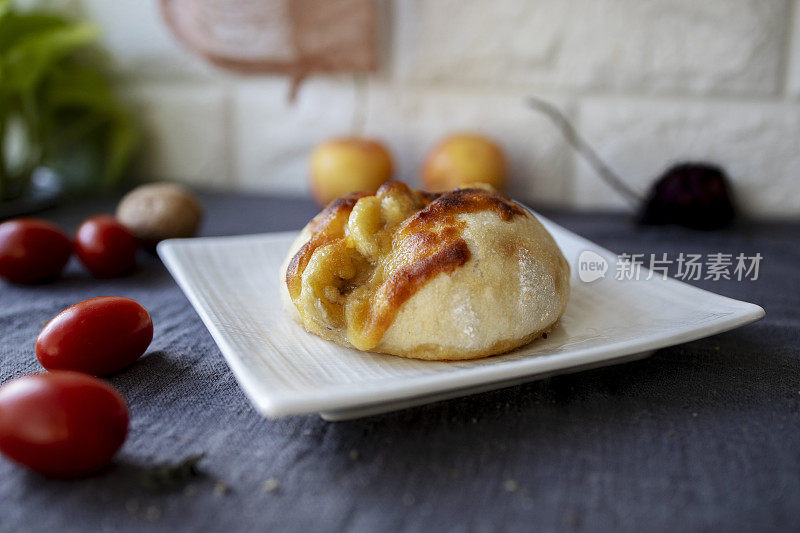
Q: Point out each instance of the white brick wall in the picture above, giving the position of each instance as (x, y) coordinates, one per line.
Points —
(759, 143)
(682, 46)
(793, 54)
(271, 140)
(187, 131)
(412, 120)
(142, 46)
(648, 82)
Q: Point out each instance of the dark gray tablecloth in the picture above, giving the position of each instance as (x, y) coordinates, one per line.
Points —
(702, 436)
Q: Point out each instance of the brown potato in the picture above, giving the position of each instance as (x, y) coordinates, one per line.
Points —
(159, 211)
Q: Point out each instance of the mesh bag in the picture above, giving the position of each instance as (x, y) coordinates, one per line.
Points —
(292, 37)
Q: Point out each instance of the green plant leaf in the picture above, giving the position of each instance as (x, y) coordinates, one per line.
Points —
(123, 140)
(75, 85)
(54, 78)
(29, 59)
(76, 89)
(15, 26)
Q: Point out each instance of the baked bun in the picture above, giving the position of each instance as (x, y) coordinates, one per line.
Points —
(459, 275)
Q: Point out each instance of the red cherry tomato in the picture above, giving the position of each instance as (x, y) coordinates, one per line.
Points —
(96, 336)
(63, 424)
(32, 250)
(106, 247)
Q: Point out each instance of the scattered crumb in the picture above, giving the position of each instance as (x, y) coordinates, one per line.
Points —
(454, 473)
(152, 513)
(716, 348)
(190, 490)
(353, 455)
(168, 476)
(510, 485)
(271, 485)
(132, 506)
(671, 432)
(694, 415)
(474, 420)
(221, 488)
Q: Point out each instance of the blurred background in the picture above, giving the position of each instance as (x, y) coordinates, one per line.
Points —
(647, 83)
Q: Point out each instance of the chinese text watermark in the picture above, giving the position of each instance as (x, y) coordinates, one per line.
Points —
(687, 267)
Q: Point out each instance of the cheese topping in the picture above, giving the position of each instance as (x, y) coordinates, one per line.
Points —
(367, 255)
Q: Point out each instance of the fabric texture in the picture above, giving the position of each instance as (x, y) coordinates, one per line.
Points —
(701, 436)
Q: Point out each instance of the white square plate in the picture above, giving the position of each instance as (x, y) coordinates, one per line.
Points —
(232, 282)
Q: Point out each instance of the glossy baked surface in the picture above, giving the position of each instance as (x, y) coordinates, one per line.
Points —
(460, 275)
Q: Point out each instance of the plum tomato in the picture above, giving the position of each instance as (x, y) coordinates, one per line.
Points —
(63, 424)
(96, 336)
(32, 250)
(106, 247)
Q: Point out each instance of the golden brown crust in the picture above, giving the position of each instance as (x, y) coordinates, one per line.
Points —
(436, 253)
(322, 233)
(432, 239)
(377, 252)
(462, 201)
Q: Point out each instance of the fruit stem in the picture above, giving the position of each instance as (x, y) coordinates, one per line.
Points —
(584, 149)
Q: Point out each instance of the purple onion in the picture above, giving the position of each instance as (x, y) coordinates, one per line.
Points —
(695, 195)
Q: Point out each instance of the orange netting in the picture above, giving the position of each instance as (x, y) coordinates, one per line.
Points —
(292, 37)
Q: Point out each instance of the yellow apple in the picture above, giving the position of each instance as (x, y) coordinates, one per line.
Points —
(464, 159)
(345, 165)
